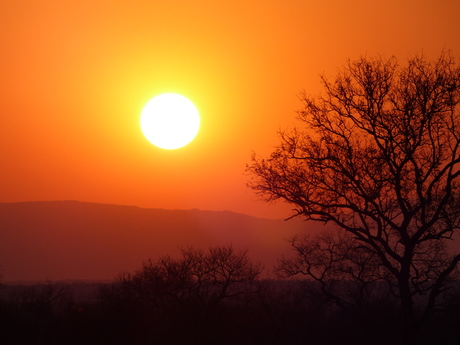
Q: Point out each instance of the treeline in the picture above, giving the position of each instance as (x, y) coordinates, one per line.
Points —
(207, 297)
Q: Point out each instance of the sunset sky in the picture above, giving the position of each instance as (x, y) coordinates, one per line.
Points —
(76, 75)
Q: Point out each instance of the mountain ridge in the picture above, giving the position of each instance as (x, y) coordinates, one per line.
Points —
(69, 239)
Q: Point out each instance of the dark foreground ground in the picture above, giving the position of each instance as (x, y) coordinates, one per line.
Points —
(275, 312)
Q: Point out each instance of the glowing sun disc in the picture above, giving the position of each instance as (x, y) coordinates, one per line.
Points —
(170, 121)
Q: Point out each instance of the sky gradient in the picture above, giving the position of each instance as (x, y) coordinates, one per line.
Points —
(76, 75)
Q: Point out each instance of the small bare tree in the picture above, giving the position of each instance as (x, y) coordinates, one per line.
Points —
(208, 277)
(379, 158)
(337, 262)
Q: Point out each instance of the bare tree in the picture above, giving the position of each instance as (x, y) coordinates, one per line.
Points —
(208, 277)
(221, 273)
(378, 157)
(337, 262)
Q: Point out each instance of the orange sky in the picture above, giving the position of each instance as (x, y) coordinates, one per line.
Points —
(76, 74)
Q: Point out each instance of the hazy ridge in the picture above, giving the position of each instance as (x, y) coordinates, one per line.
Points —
(57, 240)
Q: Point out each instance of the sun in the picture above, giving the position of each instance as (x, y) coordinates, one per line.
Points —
(170, 121)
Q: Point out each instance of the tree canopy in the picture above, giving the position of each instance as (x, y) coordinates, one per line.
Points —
(378, 156)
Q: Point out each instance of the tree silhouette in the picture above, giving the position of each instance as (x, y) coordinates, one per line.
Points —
(378, 157)
(343, 268)
(197, 276)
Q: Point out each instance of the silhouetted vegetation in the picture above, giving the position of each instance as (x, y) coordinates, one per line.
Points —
(202, 280)
(209, 297)
(377, 159)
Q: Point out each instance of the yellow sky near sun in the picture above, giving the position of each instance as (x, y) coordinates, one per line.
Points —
(76, 75)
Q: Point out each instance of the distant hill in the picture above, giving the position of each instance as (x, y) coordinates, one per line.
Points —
(60, 240)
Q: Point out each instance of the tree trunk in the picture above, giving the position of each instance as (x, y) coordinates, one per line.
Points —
(410, 327)
(410, 330)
